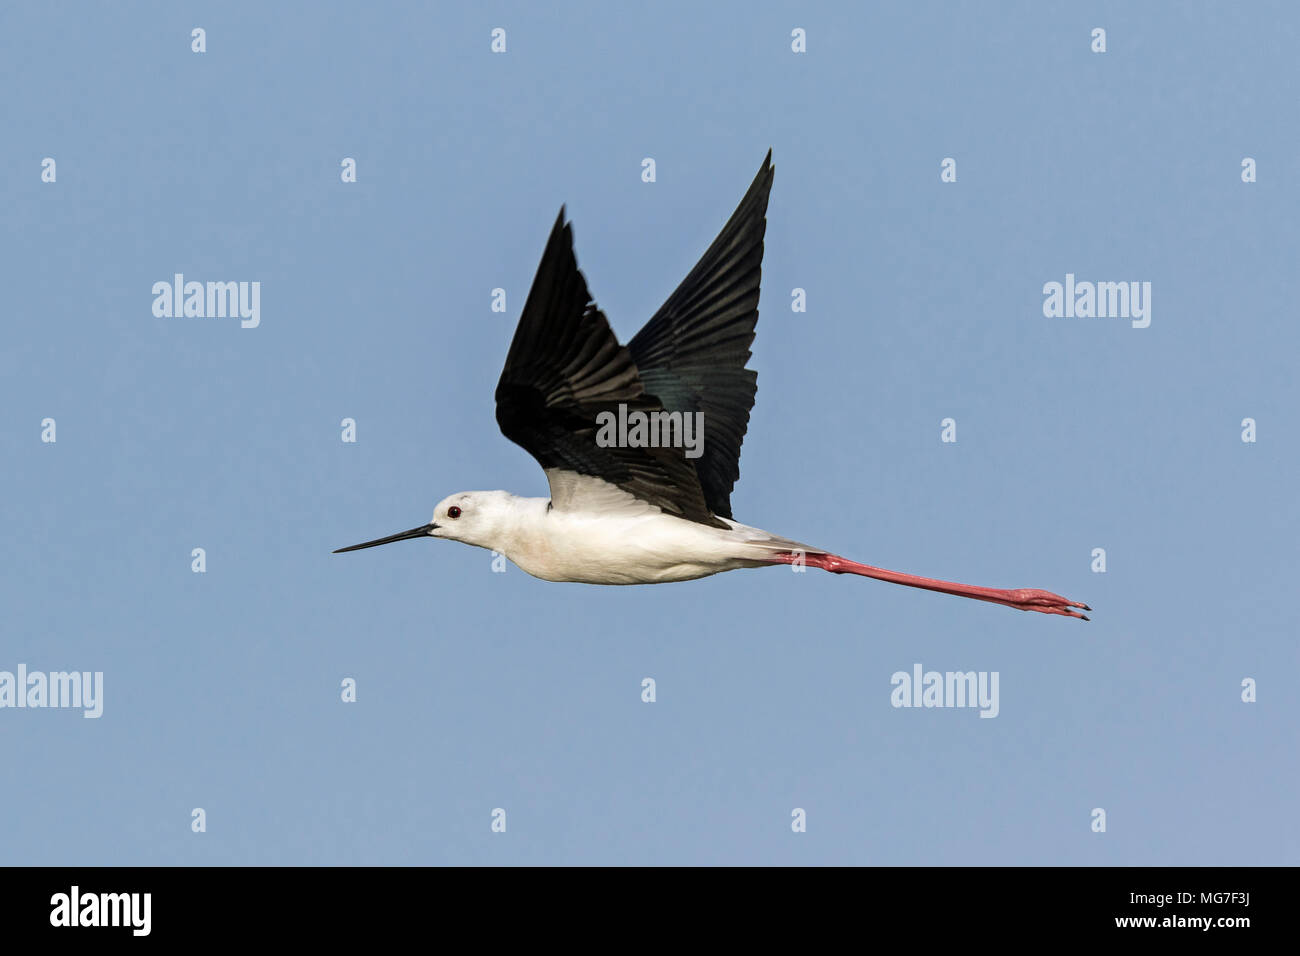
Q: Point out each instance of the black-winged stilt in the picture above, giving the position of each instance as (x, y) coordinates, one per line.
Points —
(645, 504)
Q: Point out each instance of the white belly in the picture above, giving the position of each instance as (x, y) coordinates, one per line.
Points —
(637, 549)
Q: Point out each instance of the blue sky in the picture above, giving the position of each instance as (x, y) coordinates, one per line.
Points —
(478, 690)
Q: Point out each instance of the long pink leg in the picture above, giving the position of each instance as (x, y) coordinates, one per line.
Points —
(1022, 599)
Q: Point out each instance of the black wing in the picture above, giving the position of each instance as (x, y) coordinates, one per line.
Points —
(563, 369)
(691, 355)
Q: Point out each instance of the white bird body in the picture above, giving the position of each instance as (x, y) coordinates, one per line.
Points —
(629, 543)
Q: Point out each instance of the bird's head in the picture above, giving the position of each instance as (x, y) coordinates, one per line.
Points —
(473, 517)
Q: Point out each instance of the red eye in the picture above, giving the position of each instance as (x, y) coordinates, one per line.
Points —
(453, 512)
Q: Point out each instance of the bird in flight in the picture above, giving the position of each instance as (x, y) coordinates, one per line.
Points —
(640, 442)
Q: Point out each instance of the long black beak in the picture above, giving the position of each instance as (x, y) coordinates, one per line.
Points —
(419, 532)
